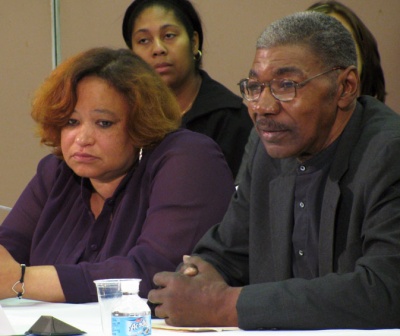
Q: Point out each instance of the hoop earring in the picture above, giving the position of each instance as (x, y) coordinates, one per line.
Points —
(198, 56)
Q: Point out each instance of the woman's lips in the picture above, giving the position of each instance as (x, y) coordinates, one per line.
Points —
(83, 157)
(162, 67)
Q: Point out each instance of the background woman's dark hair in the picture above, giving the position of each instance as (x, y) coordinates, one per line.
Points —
(183, 10)
(372, 77)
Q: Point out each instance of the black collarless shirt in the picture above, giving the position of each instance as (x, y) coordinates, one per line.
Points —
(309, 189)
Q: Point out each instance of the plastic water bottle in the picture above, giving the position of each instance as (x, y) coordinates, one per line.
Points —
(131, 315)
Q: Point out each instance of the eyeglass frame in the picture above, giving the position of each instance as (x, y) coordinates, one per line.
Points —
(295, 85)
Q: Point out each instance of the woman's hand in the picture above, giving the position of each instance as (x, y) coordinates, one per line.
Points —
(197, 295)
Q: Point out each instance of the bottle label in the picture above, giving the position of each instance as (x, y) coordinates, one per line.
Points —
(131, 325)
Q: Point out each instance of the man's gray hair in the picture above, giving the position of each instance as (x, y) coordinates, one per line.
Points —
(326, 37)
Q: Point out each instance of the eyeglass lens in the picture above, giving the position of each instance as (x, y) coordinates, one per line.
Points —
(281, 89)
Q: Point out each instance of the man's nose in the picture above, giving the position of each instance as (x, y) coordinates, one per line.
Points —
(265, 104)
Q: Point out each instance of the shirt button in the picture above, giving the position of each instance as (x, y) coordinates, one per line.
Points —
(301, 253)
(302, 168)
(301, 205)
(93, 247)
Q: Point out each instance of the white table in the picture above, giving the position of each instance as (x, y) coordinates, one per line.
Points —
(22, 314)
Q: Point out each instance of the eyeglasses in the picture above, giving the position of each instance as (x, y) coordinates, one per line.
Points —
(282, 89)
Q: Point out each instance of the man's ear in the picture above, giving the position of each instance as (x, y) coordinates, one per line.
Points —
(349, 87)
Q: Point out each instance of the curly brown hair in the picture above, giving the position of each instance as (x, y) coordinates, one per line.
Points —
(154, 111)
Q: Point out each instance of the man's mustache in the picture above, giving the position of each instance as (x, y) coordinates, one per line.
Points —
(269, 125)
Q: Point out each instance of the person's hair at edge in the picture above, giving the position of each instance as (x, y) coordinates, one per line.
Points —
(154, 111)
(183, 10)
(372, 77)
(325, 37)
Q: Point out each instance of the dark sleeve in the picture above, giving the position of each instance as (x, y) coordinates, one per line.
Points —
(190, 189)
(226, 245)
(233, 138)
(229, 128)
(17, 229)
(232, 132)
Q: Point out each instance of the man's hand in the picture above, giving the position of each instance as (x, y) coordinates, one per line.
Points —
(196, 296)
(187, 268)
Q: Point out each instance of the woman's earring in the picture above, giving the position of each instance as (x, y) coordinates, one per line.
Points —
(140, 154)
(198, 56)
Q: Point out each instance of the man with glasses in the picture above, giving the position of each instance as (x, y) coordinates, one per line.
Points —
(311, 239)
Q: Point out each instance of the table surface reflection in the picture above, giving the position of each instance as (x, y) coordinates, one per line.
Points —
(22, 314)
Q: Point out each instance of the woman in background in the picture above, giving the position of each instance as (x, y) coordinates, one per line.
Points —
(125, 193)
(369, 61)
(168, 35)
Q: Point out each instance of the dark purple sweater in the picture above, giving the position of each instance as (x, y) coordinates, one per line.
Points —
(157, 214)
